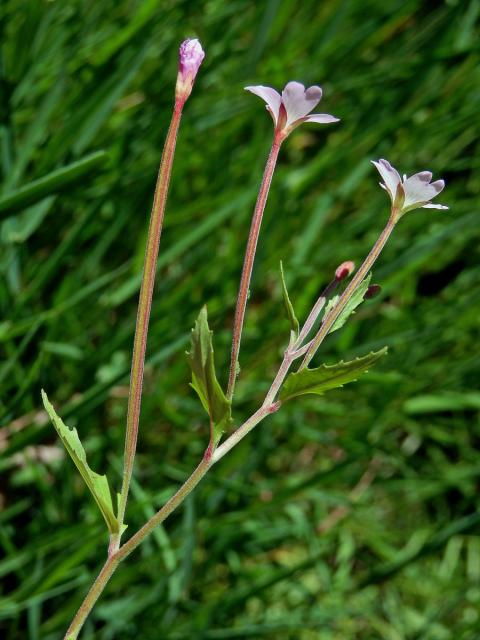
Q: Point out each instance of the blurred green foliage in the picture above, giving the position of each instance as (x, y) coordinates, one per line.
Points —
(349, 516)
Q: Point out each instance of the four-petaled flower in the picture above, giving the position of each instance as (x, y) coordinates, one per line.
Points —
(409, 193)
(292, 107)
(190, 56)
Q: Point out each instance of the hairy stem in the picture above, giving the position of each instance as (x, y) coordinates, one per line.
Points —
(249, 260)
(357, 279)
(92, 596)
(171, 504)
(288, 358)
(144, 307)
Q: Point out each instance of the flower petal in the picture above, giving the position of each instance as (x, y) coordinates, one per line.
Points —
(434, 206)
(191, 56)
(419, 190)
(322, 118)
(390, 176)
(424, 176)
(438, 185)
(299, 101)
(271, 97)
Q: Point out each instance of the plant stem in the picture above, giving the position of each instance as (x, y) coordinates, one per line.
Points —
(144, 306)
(315, 312)
(288, 358)
(346, 295)
(241, 432)
(171, 504)
(92, 596)
(249, 260)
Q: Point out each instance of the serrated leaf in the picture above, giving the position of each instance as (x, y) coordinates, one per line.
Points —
(294, 325)
(350, 307)
(204, 380)
(97, 484)
(327, 377)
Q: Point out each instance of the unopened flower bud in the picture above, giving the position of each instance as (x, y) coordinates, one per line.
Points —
(344, 270)
(191, 55)
(372, 291)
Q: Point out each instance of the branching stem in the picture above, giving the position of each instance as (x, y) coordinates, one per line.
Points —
(209, 459)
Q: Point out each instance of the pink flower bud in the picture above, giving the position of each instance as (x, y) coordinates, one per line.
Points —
(372, 291)
(344, 270)
(191, 55)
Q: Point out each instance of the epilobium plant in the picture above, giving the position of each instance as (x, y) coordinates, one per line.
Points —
(288, 110)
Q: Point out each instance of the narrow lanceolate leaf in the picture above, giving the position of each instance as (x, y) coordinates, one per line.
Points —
(328, 377)
(294, 326)
(97, 484)
(204, 380)
(352, 304)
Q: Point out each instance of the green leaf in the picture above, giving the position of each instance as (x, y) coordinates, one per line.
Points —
(327, 377)
(294, 325)
(97, 484)
(204, 380)
(352, 304)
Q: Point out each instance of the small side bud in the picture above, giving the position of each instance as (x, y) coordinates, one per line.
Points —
(274, 407)
(372, 291)
(344, 270)
(191, 56)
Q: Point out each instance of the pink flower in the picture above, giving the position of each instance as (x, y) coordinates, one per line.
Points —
(292, 107)
(409, 193)
(191, 56)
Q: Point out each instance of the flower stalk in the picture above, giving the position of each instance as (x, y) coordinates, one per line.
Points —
(289, 110)
(145, 304)
(249, 260)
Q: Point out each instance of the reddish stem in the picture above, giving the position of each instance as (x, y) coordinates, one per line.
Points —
(249, 260)
(145, 303)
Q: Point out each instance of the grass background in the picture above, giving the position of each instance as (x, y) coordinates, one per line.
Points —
(353, 515)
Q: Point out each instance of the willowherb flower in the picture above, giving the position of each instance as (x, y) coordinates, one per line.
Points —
(409, 193)
(292, 107)
(191, 56)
